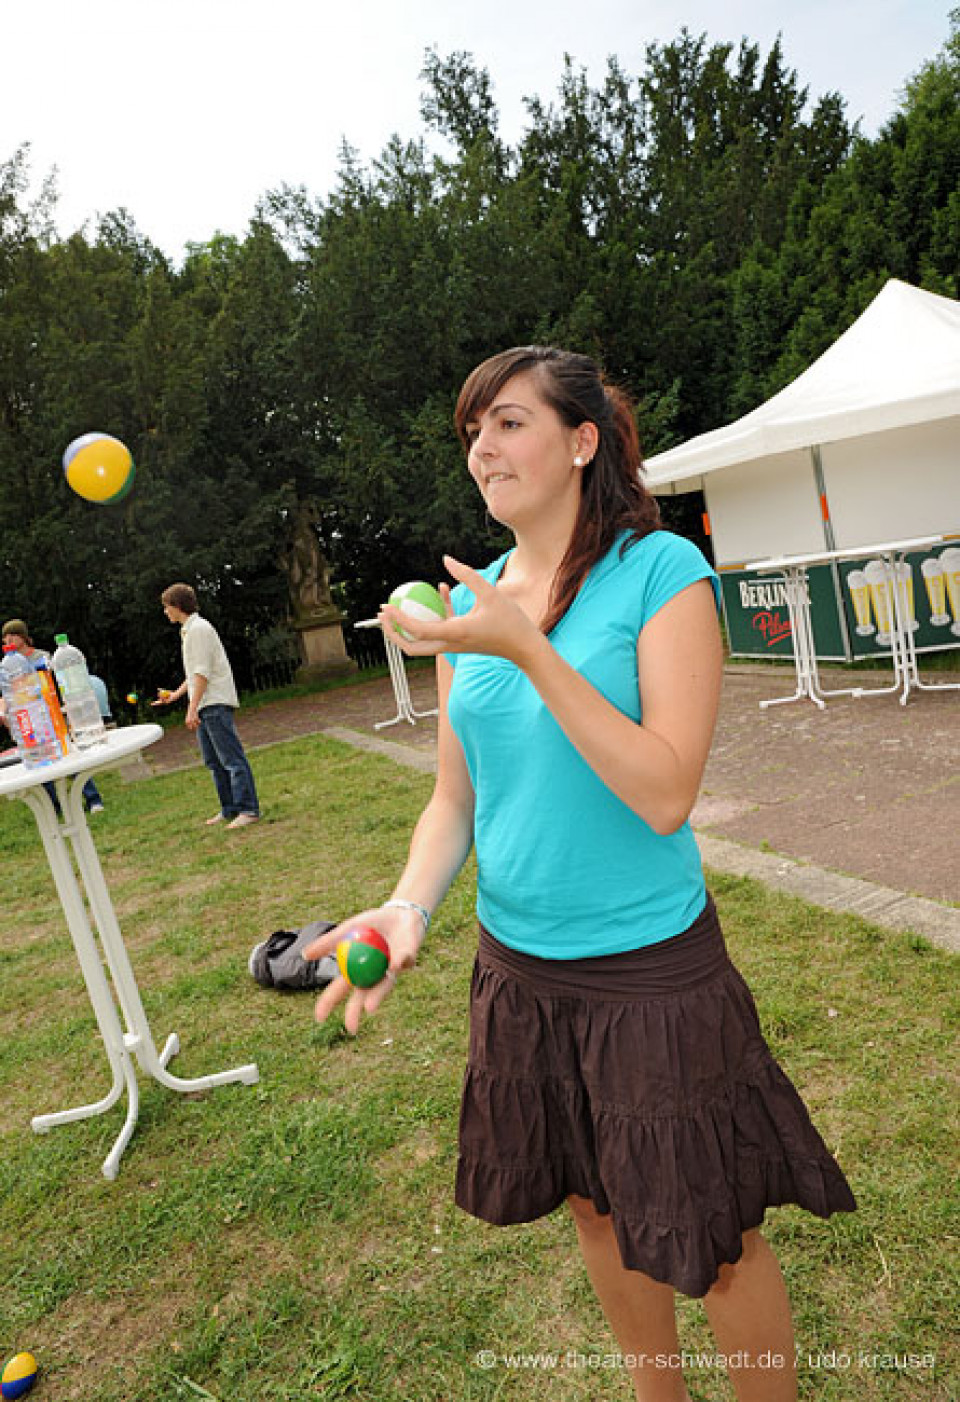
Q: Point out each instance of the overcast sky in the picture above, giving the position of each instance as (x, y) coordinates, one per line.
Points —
(186, 111)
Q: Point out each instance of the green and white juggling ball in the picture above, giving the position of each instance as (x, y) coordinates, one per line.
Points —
(419, 600)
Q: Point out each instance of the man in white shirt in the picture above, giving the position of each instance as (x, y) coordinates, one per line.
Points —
(211, 701)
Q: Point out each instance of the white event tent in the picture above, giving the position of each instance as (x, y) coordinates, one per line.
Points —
(863, 447)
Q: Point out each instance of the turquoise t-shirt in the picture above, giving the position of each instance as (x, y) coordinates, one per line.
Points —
(566, 869)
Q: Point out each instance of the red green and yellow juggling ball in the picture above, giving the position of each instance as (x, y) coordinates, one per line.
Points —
(99, 468)
(363, 957)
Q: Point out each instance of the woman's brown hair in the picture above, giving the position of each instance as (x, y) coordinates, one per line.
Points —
(613, 498)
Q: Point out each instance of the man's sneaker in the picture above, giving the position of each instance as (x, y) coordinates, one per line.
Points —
(278, 962)
(95, 808)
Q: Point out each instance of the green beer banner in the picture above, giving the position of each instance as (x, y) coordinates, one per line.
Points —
(929, 585)
(758, 620)
(851, 607)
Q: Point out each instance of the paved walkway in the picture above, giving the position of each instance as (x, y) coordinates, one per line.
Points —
(856, 807)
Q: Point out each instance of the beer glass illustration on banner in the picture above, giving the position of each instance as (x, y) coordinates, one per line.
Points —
(935, 584)
(878, 578)
(860, 594)
(904, 574)
(950, 560)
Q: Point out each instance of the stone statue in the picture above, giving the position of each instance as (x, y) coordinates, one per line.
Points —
(315, 617)
(308, 574)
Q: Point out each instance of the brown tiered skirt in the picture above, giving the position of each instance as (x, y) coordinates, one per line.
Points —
(642, 1082)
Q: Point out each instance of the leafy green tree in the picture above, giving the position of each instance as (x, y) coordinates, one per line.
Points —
(699, 226)
(890, 210)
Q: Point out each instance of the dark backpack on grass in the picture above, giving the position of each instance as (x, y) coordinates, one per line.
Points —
(278, 962)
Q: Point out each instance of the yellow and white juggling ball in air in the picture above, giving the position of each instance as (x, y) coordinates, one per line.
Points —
(99, 468)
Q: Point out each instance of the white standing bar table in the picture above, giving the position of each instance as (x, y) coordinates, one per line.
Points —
(401, 687)
(83, 895)
(792, 569)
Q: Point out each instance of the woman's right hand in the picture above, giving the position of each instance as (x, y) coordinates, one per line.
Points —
(403, 931)
(494, 624)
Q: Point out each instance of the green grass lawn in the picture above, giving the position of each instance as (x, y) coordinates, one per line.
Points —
(298, 1240)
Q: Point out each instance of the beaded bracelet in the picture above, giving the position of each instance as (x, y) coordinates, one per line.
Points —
(411, 905)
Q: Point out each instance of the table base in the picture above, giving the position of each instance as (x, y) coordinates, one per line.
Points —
(906, 671)
(401, 687)
(130, 1041)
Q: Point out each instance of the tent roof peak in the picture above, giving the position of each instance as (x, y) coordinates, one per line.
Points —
(897, 364)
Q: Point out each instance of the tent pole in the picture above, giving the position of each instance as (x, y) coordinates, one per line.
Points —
(828, 536)
(831, 544)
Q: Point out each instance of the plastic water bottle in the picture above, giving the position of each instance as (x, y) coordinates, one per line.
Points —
(79, 698)
(26, 712)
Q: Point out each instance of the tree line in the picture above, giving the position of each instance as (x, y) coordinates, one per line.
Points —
(700, 226)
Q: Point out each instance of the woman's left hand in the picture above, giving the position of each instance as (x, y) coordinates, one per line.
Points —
(494, 625)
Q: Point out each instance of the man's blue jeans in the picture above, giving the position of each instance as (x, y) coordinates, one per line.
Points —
(223, 755)
(91, 795)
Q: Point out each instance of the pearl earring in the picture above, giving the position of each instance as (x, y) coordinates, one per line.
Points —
(578, 462)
